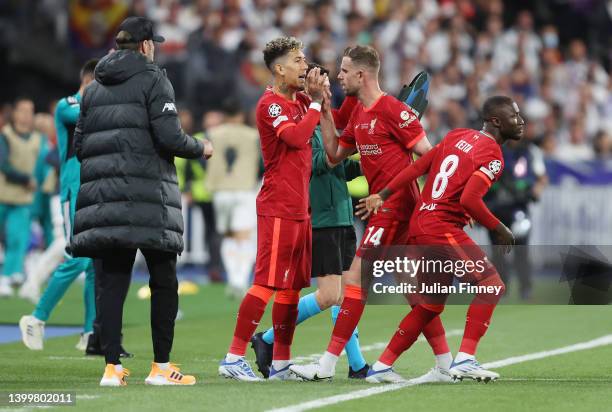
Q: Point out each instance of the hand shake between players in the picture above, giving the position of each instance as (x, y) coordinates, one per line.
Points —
(316, 84)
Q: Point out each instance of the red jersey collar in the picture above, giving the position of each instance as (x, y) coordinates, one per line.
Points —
(489, 135)
(367, 109)
(281, 96)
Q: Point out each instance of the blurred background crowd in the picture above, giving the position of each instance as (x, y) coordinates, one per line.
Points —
(553, 57)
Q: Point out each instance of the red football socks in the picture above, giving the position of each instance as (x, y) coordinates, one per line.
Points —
(479, 315)
(407, 333)
(250, 312)
(348, 318)
(436, 336)
(476, 325)
(284, 316)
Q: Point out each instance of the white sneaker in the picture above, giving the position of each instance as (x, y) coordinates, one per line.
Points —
(435, 375)
(32, 332)
(83, 339)
(284, 374)
(17, 279)
(239, 370)
(311, 372)
(6, 290)
(384, 376)
(30, 291)
(471, 369)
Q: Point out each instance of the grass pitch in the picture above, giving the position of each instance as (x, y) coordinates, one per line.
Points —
(576, 381)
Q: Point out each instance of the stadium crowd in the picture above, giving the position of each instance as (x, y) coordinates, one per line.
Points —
(213, 50)
(473, 49)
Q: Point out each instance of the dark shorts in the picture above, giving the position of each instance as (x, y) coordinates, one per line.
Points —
(333, 249)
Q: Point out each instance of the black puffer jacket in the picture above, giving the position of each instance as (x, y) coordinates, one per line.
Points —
(126, 138)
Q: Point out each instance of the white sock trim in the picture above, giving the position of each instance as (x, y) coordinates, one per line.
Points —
(230, 357)
(444, 360)
(280, 364)
(328, 363)
(163, 366)
(378, 366)
(462, 356)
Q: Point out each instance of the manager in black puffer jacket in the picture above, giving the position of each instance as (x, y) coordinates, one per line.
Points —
(126, 138)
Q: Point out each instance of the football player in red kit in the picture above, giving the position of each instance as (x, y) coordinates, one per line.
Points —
(286, 119)
(386, 132)
(460, 169)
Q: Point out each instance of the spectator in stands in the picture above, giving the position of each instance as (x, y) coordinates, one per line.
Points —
(464, 44)
(602, 146)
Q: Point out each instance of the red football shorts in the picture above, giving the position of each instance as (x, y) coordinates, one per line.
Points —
(456, 246)
(283, 253)
(383, 231)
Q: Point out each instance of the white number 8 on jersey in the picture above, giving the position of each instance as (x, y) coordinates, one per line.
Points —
(447, 168)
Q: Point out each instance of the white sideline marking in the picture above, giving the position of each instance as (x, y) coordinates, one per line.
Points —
(73, 358)
(364, 393)
(577, 380)
(368, 348)
(604, 340)
(86, 397)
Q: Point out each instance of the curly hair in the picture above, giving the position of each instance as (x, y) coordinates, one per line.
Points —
(280, 47)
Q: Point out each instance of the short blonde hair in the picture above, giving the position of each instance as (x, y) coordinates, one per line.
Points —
(364, 56)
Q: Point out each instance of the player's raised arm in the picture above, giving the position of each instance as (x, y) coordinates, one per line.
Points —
(372, 203)
(336, 152)
(343, 114)
(422, 146)
(298, 135)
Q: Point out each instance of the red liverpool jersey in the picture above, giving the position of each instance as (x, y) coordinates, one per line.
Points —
(462, 153)
(384, 135)
(287, 170)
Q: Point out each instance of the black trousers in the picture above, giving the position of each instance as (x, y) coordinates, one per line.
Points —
(113, 274)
